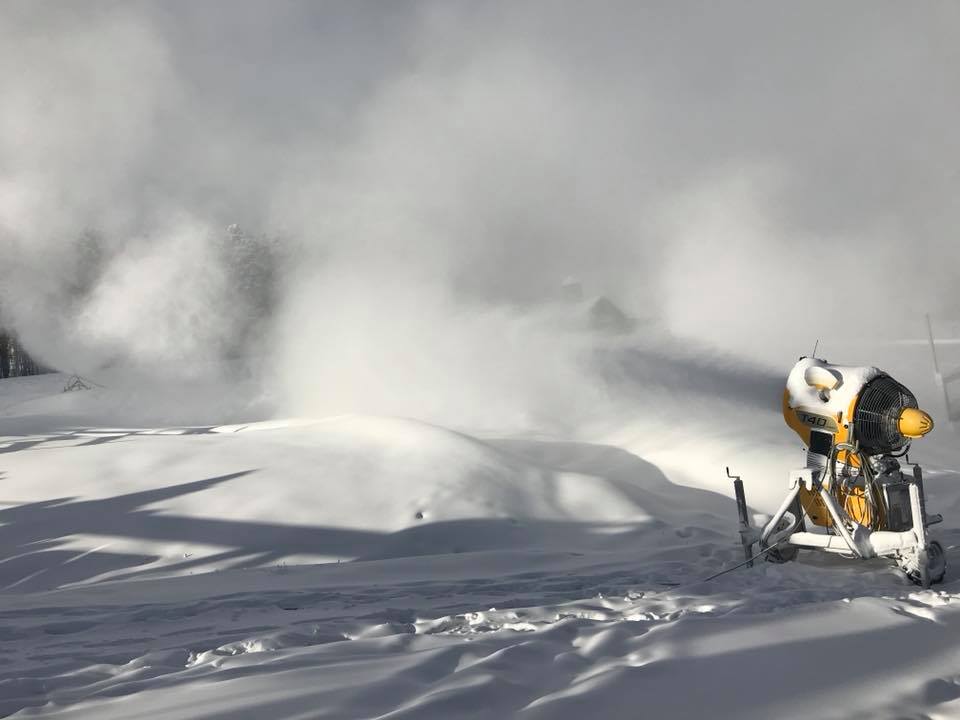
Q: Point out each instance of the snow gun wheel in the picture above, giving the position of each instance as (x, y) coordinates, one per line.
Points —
(927, 567)
(785, 552)
(782, 554)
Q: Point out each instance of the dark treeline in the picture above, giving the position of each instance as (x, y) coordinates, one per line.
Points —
(14, 360)
(252, 265)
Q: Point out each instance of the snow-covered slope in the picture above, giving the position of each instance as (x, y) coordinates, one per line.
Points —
(361, 567)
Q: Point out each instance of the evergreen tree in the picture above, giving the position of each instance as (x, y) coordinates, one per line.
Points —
(252, 265)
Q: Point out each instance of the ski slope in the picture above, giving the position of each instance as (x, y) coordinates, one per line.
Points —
(381, 567)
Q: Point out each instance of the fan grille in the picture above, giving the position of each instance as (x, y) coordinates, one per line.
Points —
(878, 413)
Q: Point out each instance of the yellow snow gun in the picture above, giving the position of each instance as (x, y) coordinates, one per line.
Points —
(853, 496)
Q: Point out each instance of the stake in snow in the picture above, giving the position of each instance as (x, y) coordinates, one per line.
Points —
(852, 498)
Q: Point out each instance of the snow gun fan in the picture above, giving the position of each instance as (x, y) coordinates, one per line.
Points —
(853, 497)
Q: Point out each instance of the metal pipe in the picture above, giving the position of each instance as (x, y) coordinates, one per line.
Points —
(838, 521)
(831, 543)
(919, 521)
(918, 480)
(744, 518)
(920, 530)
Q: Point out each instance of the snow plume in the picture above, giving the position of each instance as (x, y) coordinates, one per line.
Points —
(435, 170)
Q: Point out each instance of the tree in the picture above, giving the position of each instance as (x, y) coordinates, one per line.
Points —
(14, 360)
(4, 354)
(252, 265)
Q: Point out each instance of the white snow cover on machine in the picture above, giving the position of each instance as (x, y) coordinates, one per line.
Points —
(853, 497)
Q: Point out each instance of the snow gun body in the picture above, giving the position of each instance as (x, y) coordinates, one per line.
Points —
(853, 496)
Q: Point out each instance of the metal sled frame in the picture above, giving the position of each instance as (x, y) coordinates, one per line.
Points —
(860, 541)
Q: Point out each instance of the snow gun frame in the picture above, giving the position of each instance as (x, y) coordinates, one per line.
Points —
(856, 422)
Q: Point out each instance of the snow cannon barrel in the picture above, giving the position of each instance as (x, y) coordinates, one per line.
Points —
(829, 405)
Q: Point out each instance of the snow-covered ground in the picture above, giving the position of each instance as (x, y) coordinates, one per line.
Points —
(374, 567)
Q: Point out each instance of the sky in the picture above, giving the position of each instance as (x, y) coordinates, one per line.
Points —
(750, 176)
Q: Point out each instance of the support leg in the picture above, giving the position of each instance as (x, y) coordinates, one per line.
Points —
(745, 530)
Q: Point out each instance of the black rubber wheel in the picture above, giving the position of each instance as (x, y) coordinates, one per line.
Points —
(936, 562)
(936, 567)
(784, 552)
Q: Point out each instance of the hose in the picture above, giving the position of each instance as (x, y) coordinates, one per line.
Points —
(840, 491)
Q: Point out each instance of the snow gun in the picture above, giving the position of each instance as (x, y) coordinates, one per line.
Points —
(854, 497)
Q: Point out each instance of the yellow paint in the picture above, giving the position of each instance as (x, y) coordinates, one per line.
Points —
(793, 422)
(914, 423)
(840, 435)
(813, 505)
(853, 500)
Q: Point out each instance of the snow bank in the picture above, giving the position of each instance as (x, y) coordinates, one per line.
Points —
(362, 566)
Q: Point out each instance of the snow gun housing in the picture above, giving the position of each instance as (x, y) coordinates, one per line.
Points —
(856, 422)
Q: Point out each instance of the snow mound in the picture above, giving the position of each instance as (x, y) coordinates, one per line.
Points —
(90, 504)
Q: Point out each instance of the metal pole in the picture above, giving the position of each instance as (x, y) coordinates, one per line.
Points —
(920, 531)
(918, 481)
(941, 381)
(933, 347)
(744, 517)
